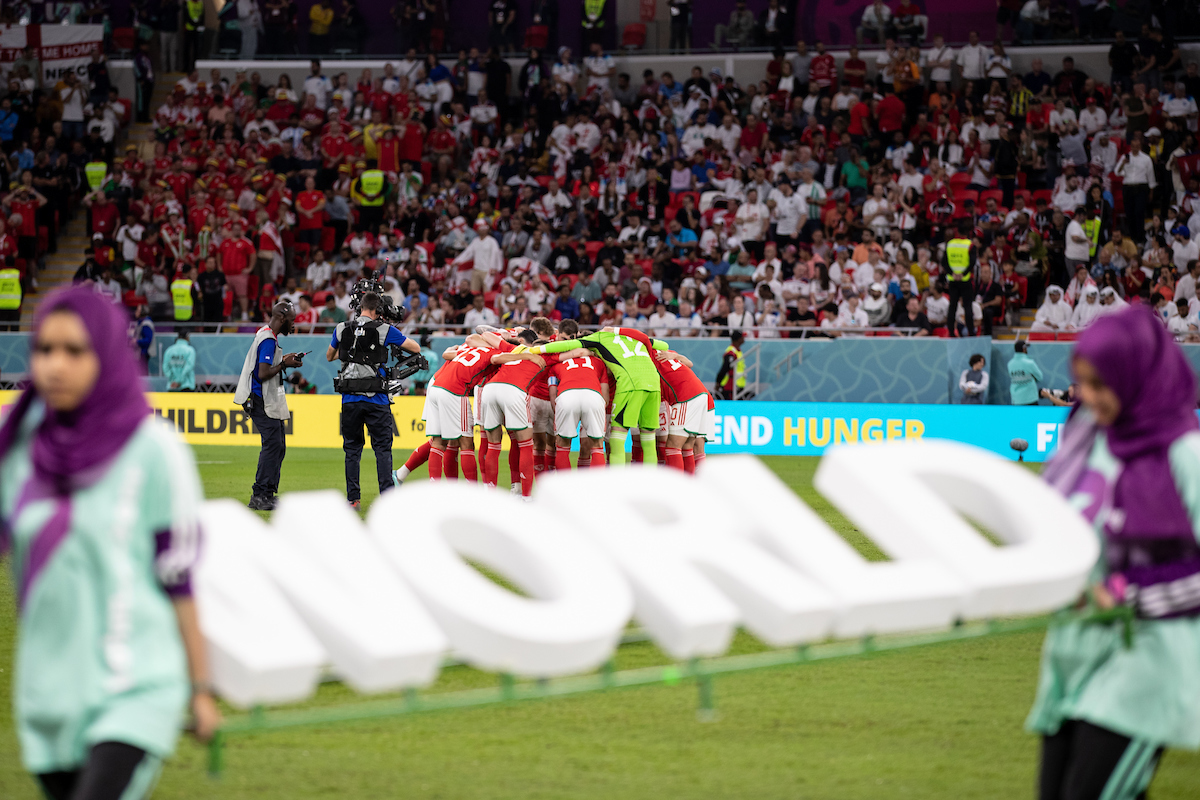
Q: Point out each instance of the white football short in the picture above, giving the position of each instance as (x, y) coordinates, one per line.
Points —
(691, 418)
(447, 415)
(504, 405)
(541, 415)
(576, 407)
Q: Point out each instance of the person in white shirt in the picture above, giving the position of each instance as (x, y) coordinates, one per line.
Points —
(729, 134)
(1069, 197)
(1034, 20)
(789, 210)
(484, 115)
(1183, 323)
(878, 212)
(318, 86)
(1185, 287)
(587, 134)
(1138, 171)
(1104, 152)
(479, 314)
(1061, 117)
(661, 323)
(318, 274)
(129, 236)
(695, 134)
(1110, 301)
(1186, 250)
(1087, 310)
(752, 220)
(1093, 119)
(687, 321)
(769, 320)
(1055, 312)
(940, 59)
(937, 307)
(972, 59)
(600, 68)
(486, 257)
(883, 62)
(850, 314)
(974, 391)
(1181, 108)
(876, 22)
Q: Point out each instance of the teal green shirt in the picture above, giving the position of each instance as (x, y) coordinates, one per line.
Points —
(1150, 691)
(99, 656)
(426, 375)
(179, 366)
(1023, 375)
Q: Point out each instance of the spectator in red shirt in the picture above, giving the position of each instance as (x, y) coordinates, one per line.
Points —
(310, 214)
(891, 113)
(855, 70)
(443, 145)
(25, 201)
(235, 257)
(106, 217)
(822, 68)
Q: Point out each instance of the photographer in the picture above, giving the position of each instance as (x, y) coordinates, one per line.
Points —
(260, 393)
(362, 346)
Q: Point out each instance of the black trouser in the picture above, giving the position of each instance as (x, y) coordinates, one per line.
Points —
(1137, 198)
(10, 319)
(191, 49)
(110, 771)
(274, 447)
(965, 291)
(989, 318)
(1083, 761)
(378, 420)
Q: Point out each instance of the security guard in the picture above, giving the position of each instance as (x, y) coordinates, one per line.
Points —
(183, 295)
(1091, 228)
(959, 263)
(10, 299)
(362, 346)
(369, 193)
(193, 31)
(96, 173)
(179, 365)
(731, 378)
(593, 21)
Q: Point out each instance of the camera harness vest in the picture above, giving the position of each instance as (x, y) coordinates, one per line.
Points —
(360, 344)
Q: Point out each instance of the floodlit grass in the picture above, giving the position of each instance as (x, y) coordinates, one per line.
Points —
(936, 722)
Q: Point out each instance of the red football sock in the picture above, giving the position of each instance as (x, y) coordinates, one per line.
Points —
(583, 463)
(552, 458)
(562, 458)
(435, 463)
(469, 471)
(525, 449)
(514, 462)
(689, 462)
(418, 457)
(638, 455)
(450, 464)
(699, 460)
(491, 466)
(484, 446)
(539, 460)
(674, 457)
(598, 457)
(660, 447)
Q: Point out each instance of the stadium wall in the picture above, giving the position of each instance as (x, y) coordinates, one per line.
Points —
(921, 371)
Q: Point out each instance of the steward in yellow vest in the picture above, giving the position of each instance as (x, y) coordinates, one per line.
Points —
(369, 192)
(959, 262)
(181, 296)
(731, 378)
(10, 299)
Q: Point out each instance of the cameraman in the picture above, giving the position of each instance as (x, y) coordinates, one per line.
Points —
(362, 346)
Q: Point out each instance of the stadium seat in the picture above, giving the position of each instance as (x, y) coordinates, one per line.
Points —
(1044, 194)
(328, 239)
(536, 36)
(634, 36)
(995, 194)
(1028, 195)
(961, 196)
(959, 180)
(592, 249)
(124, 41)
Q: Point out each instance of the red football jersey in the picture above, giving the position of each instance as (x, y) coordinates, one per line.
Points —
(679, 383)
(586, 372)
(521, 374)
(466, 369)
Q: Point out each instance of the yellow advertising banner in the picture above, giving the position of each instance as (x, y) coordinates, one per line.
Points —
(204, 418)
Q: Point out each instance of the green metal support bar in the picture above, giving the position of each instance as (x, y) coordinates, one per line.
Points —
(703, 671)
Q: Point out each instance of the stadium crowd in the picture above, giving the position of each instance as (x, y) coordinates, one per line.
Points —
(820, 197)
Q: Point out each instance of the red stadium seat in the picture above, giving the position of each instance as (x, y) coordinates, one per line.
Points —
(961, 196)
(996, 194)
(1041, 336)
(124, 40)
(592, 249)
(536, 36)
(1044, 194)
(634, 36)
(328, 239)
(959, 180)
(1028, 195)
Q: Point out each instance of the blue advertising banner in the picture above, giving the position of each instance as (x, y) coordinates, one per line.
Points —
(806, 429)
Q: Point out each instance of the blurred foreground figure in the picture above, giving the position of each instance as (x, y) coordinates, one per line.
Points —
(1120, 685)
(99, 504)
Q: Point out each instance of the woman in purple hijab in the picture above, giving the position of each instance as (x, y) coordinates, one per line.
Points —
(99, 504)
(1121, 682)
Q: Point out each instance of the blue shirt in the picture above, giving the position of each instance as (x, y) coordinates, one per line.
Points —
(378, 398)
(568, 307)
(266, 355)
(684, 236)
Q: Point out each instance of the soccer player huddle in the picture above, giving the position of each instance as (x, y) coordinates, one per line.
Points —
(545, 387)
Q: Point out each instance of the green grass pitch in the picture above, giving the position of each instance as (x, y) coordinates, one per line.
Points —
(936, 722)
